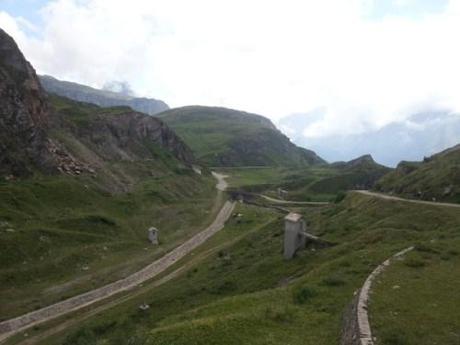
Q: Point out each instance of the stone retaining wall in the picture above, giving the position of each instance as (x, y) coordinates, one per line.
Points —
(356, 327)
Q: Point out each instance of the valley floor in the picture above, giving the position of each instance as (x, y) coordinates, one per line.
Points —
(237, 288)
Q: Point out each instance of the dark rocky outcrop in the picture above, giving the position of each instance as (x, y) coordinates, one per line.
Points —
(124, 134)
(24, 115)
(102, 98)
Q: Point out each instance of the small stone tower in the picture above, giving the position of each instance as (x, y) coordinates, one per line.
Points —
(294, 234)
(153, 235)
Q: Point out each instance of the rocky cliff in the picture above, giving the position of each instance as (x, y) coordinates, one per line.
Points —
(102, 98)
(24, 116)
(53, 134)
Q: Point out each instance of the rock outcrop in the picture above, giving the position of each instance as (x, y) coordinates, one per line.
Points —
(127, 135)
(23, 113)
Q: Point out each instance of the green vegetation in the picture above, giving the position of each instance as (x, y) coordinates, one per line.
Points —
(63, 235)
(414, 301)
(437, 177)
(315, 183)
(237, 289)
(225, 137)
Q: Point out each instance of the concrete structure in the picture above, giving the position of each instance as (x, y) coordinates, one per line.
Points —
(295, 236)
(282, 194)
(153, 235)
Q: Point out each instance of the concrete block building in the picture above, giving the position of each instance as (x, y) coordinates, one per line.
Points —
(294, 234)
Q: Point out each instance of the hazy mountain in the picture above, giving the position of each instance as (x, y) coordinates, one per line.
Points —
(420, 135)
(113, 94)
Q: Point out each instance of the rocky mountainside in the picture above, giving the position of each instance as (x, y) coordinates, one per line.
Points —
(48, 135)
(436, 178)
(102, 98)
(226, 137)
(24, 114)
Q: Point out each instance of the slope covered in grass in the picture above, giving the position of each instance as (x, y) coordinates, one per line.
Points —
(314, 183)
(226, 137)
(239, 290)
(436, 177)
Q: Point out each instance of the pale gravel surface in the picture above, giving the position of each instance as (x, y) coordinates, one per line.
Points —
(279, 201)
(413, 201)
(15, 325)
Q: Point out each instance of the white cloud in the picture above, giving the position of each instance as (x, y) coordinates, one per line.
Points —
(272, 57)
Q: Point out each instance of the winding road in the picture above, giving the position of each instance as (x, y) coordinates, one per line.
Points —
(20, 323)
(291, 202)
(395, 198)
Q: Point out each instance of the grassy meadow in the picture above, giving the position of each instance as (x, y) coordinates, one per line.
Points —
(237, 289)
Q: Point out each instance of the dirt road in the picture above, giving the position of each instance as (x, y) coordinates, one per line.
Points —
(421, 202)
(15, 325)
(287, 202)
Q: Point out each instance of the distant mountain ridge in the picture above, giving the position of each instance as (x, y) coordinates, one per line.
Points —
(421, 134)
(226, 137)
(102, 98)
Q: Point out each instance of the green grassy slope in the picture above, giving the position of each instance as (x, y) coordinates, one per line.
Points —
(436, 177)
(316, 183)
(429, 316)
(61, 234)
(225, 137)
(243, 292)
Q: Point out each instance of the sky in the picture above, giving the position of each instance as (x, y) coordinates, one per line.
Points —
(365, 63)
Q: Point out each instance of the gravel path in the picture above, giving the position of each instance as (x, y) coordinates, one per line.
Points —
(279, 201)
(15, 325)
(391, 197)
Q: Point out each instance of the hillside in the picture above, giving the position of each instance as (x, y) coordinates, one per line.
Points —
(102, 98)
(226, 137)
(360, 173)
(79, 187)
(238, 289)
(437, 177)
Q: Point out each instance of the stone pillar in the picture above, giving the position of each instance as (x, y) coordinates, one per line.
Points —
(153, 235)
(294, 228)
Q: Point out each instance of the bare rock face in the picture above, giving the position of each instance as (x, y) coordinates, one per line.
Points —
(23, 113)
(132, 136)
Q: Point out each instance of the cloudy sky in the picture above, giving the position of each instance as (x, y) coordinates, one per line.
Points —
(365, 63)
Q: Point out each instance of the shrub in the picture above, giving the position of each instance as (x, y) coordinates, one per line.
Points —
(414, 262)
(304, 295)
(333, 281)
(280, 314)
(82, 337)
(340, 196)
